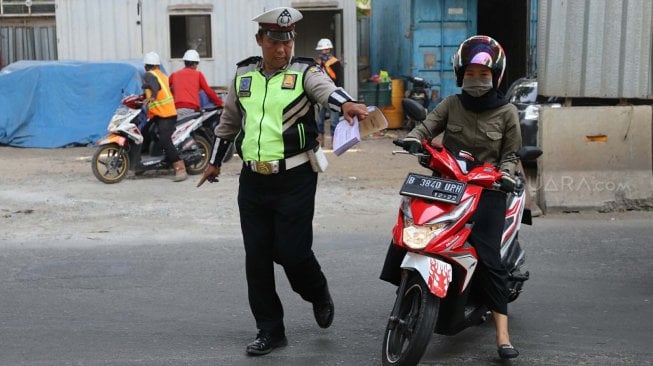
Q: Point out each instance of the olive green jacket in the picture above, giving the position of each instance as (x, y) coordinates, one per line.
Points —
(492, 136)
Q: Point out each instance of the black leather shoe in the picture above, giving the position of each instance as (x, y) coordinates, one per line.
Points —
(507, 351)
(265, 343)
(323, 310)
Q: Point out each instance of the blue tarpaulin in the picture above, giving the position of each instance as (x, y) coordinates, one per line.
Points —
(49, 104)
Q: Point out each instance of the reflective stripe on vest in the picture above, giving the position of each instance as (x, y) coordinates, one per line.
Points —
(274, 111)
(163, 105)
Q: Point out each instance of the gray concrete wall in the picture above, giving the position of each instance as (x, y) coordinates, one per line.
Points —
(598, 158)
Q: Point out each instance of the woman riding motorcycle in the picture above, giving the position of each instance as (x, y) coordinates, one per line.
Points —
(483, 123)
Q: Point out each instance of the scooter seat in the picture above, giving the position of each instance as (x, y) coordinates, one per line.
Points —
(188, 117)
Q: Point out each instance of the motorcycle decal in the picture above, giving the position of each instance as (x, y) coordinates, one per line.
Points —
(437, 274)
(468, 263)
(120, 140)
(440, 274)
(182, 131)
(513, 219)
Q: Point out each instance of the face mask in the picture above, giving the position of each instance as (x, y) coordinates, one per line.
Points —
(324, 56)
(476, 87)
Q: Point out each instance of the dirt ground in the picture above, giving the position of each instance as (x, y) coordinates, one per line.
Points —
(51, 196)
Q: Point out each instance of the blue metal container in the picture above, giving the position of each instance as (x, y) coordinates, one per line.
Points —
(418, 38)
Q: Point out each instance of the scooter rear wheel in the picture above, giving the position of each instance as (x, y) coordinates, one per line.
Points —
(229, 154)
(204, 152)
(407, 337)
(110, 163)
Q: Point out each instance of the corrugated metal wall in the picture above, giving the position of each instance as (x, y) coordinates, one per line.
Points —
(595, 48)
(97, 29)
(27, 40)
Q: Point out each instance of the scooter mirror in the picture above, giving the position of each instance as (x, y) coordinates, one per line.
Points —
(528, 153)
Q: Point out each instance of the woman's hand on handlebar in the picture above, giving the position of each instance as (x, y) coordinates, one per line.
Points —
(411, 145)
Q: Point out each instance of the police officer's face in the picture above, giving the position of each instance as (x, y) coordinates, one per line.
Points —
(276, 54)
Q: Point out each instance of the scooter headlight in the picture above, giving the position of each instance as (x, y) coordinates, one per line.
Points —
(419, 236)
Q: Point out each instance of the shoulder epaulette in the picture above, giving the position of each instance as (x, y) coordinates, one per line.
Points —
(305, 60)
(249, 61)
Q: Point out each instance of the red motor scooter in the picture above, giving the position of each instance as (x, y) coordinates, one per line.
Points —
(438, 292)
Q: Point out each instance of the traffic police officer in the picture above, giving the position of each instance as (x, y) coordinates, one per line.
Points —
(270, 115)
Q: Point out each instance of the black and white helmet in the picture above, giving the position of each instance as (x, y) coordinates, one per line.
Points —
(482, 50)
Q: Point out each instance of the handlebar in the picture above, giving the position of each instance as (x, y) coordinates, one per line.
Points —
(418, 81)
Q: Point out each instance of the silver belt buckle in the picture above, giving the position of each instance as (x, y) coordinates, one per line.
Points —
(265, 167)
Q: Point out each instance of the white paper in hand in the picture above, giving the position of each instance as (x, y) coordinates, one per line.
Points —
(345, 136)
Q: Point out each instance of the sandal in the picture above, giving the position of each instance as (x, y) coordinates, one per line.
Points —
(507, 351)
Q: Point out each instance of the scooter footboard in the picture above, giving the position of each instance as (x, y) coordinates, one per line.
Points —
(437, 274)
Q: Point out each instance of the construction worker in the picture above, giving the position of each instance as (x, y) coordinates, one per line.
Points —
(161, 110)
(333, 67)
(186, 84)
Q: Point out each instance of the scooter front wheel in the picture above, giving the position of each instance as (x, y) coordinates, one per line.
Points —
(110, 163)
(407, 336)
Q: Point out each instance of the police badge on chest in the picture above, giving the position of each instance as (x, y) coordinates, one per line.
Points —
(244, 89)
(289, 81)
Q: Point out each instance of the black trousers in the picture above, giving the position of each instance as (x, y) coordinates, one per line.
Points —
(491, 276)
(276, 217)
(166, 129)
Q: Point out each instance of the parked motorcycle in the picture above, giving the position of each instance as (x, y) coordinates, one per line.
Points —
(438, 290)
(523, 94)
(119, 151)
(419, 92)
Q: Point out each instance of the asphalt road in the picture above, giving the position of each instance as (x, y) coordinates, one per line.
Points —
(589, 300)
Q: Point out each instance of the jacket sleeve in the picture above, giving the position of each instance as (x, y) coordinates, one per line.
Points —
(151, 83)
(209, 92)
(511, 141)
(228, 128)
(434, 124)
(321, 89)
(231, 118)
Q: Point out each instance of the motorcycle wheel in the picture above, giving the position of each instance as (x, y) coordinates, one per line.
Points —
(229, 154)
(406, 338)
(110, 163)
(204, 152)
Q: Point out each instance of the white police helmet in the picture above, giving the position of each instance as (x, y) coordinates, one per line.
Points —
(324, 44)
(191, 55)
(279, 23)
(152, 58)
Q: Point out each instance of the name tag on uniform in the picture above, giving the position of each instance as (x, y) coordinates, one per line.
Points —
(244, 89)
(289, 81)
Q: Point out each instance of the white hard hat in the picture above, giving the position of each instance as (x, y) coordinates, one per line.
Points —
(152, 58)
(324, 44)
(191, 55)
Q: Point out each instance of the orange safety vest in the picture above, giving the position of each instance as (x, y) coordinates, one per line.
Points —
(163, 105)
(327, 66)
